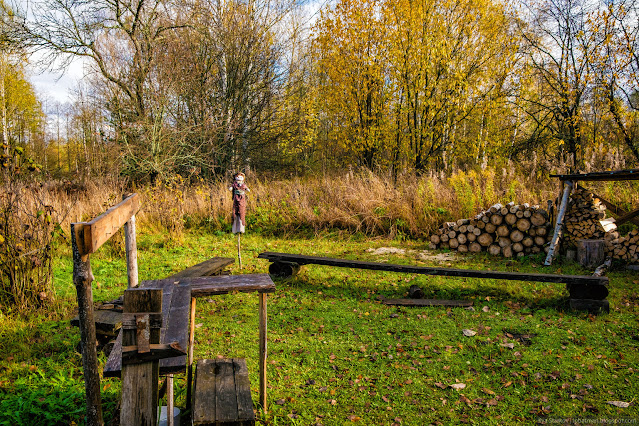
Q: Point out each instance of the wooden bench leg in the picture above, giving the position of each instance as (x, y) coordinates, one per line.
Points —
(263, 350)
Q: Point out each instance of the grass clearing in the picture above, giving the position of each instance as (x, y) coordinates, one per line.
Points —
(338, 356)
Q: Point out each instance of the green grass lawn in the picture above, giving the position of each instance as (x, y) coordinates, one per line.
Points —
(338, 356)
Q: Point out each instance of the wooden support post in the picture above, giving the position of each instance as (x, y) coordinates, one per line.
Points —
(560, 222)
(189, 379)
(263, 350)
(239, 253)
(82, 279)
(169, 400)
(130, 245)
(140, 381)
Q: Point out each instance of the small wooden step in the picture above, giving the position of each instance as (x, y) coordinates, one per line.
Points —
(222, 393)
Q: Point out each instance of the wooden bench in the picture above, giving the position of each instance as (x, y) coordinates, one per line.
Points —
(222, 393)
(586, 292)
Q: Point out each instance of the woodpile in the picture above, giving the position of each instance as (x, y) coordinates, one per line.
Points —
(503, 230)
(623, 248)
(583, 218)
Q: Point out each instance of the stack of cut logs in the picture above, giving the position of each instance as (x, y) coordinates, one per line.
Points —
(624, 248)
(510, 230)
(582, 220)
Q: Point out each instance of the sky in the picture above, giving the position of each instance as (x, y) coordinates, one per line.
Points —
(56, 85)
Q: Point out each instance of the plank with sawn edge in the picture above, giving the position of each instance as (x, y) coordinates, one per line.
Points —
(425, 270)
(210, 267)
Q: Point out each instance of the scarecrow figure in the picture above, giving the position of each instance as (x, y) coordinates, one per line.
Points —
(239, 190)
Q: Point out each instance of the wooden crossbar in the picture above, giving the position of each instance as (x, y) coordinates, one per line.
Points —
(448, 272)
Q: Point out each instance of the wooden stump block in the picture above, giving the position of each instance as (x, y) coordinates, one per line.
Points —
(594, 292)
(590, 253)
(284, 269)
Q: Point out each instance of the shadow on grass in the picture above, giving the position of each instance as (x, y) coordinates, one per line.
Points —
(532, 297)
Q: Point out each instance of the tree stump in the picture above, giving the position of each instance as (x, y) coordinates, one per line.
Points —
(590, 253)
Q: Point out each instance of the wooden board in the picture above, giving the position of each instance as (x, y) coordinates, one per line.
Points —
(448, 272)
(223, 284)
(427, 302)
(222, 393)
(107, 321)
(613, 175)
(210, 267)
(91, 235)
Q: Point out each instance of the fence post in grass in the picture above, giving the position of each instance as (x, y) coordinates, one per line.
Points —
(140, 380)
(82, 278)
(130, 245)
(263, 350)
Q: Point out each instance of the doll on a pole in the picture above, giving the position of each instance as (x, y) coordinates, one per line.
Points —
(239, 190)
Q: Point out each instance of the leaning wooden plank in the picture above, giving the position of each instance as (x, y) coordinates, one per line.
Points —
(425, 270)
(225, 395)
(427, 302)
(615, 209)
(177, 325)
(96, 232)
(204, 392)
(210, 267)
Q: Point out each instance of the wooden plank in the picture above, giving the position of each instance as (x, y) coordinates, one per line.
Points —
(225, 396)
(157, 351)
(223, 284)
(243, 388)
(210, 267)
(627, 217)
(131, 251)
(204, 392)
(177, 325)
(139, 404)
(614, 209)
(107, 321)
(448, 272)
(613, 175)
(99, 230)
(427, 302)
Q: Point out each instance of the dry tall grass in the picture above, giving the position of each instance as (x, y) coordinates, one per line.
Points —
(356, 202)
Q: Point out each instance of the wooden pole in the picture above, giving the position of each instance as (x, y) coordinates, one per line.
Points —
(239, 254)
(140, 381)
(263, 350)
(189, 380)
(82, 278)
(169, 400)
(560, 222)
(131, 252)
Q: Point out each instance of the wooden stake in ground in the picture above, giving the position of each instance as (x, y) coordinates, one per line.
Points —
(239, 190)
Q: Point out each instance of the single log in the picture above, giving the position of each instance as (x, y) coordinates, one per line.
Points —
(519, 214)
(474, 247)
(461, 238)
(471, 237)
(503, 241)
(452, 234)
(507, 251)
(494, 249)
(485, 218)
(477, 232)
(496, 219)
(453, 243)
(523, 225)
(485, 239)
(480, 225)
(537, 219)
(541, 231)
(462, 248)
(495, 208)
(490, 228)
(463, 229)
(540, 241)
(444, 238)
(516, 236)
(435, 239)
(527, 242)
(518, 247)
(510, 219)
(502, 231)
(461, 222)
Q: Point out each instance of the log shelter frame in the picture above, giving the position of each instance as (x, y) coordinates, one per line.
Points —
(570, 182)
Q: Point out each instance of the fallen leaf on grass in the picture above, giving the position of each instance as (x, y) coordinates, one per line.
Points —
(354, 418)
(280, 402)
(485, 309)
(508, 345)
(488, 391)
(620, 404)
(458, 386)
(468, 333)
(440, 385)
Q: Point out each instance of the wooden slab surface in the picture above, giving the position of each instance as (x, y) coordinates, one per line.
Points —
(449, 272)
(210, 267)
(222, 393)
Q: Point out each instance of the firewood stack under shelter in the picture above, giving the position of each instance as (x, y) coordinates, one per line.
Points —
(503, 230)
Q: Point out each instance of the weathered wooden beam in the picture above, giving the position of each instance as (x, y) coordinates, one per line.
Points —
(613, 175)
(425, 270)
(616, 210)
(139, 404)
(210, 267)
(222, 284)
(157, 351)
(427, 302)
(263, 350)
(99, 230)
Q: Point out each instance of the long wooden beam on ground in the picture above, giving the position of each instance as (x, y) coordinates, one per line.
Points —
(425, 270)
